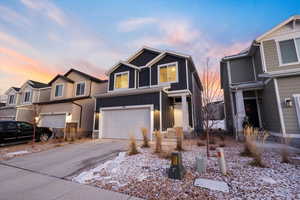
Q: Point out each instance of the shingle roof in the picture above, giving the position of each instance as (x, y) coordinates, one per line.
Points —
(16, 89)
(36, 84)
(62, 77)
(92, 78)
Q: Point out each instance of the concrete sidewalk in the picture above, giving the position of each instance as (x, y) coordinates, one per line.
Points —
(19, 184)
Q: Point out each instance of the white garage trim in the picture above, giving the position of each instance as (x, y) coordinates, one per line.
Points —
(150, 106)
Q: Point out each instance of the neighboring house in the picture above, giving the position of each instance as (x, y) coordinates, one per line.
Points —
(215, 110)
(153, 89)
(70, 101)
(263, 82)
(20, 100)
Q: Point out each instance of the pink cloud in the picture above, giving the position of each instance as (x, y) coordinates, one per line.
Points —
(135, 23)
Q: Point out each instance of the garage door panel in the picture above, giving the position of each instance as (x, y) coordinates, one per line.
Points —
(53, 121)
(122, 123)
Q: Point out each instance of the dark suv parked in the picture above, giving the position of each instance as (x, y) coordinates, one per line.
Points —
(16, 131)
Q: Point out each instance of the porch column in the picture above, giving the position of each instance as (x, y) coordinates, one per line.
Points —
(185, 114)
(240, 110)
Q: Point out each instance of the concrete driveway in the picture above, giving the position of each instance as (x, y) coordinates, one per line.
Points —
(46, 175)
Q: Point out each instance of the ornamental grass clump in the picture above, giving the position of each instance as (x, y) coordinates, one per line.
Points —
(158, 142)
(179, 139)
(145, 138)
(253, 137)
(132, 146)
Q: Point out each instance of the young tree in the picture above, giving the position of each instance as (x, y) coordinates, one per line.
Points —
(35, 120)
(210, 79)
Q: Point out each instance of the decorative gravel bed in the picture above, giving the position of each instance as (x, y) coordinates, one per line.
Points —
(144, 175)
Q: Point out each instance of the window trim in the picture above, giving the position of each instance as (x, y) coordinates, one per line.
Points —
(24, 96)
(77, 83)
(14, 100)
(166, 65)
(280, 55)
(115, 78)
(62, 91)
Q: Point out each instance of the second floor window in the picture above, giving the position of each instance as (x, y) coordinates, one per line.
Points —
(80, 89)
(122, 80)
(11, 99)
(27, 97)
(58, 90)
(168, 73)
(290, 51)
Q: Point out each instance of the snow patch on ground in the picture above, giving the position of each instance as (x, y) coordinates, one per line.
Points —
(218, 124)
(16, 153)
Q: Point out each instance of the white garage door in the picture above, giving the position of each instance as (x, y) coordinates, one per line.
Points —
(121, 123)
(53, 121)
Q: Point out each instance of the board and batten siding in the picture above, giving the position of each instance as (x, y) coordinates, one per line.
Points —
(133, 100)
(269, 110)
(122, 68)
(242, 70)
(272, 59)
(287, 87)
(145, 57)
(182, 83)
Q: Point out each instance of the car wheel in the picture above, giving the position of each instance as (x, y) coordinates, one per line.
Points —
(44, 137)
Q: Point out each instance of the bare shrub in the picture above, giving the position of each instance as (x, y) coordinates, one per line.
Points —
(158, 142)
(145, 138)
(222, 144)
(285, 154)
(212, 148)
(200, 144)
(252, 137)
(179, 139)
(132, 146)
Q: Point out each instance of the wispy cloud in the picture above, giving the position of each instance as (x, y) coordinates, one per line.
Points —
(135, 23)
(47, 8)
(10, 16)
(182, 35)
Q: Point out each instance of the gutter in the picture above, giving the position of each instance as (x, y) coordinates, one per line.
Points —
(80, 106)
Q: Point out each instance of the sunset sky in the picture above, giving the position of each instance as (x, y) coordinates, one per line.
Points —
(40, 38)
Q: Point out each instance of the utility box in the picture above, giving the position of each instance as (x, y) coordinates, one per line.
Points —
(201, 163)
(221, 160)
(176, 171)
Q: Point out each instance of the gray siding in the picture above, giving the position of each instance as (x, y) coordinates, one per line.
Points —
(6, 113)
(271, 57)
(286, 91)
(242, 70)
(144, 77)
(270, 114)
(197, 106)
(257, 63)
(226, 92)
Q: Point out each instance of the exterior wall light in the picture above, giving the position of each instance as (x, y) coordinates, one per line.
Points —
(288, 102)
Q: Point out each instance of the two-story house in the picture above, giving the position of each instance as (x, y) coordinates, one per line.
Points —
(153, 89)
(19, 101)
(70, 101)
(263, 82)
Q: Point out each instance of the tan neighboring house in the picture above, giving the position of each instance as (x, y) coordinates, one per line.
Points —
(71, 101)
(20, 100)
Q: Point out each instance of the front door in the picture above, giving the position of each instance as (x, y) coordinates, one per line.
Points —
(177, 115)
(252, 112)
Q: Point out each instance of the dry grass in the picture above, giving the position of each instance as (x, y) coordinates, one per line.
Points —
(252, 137)
(212, 148)
(179, 139)
(158, 142)
(145, 138)
(132, 146)
(166, 154)
(222, 144)
(201, 144)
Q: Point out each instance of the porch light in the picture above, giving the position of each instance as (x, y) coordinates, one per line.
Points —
(36, 119)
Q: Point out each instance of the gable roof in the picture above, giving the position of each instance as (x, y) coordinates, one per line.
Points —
(36, 84)
(292, 18)
(16, 89)
(92, 78)
(62, 77)
(121, 63)
(163, 54)
(140, 51)
(12, 88)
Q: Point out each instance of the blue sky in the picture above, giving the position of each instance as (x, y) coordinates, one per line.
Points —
(41, 38)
